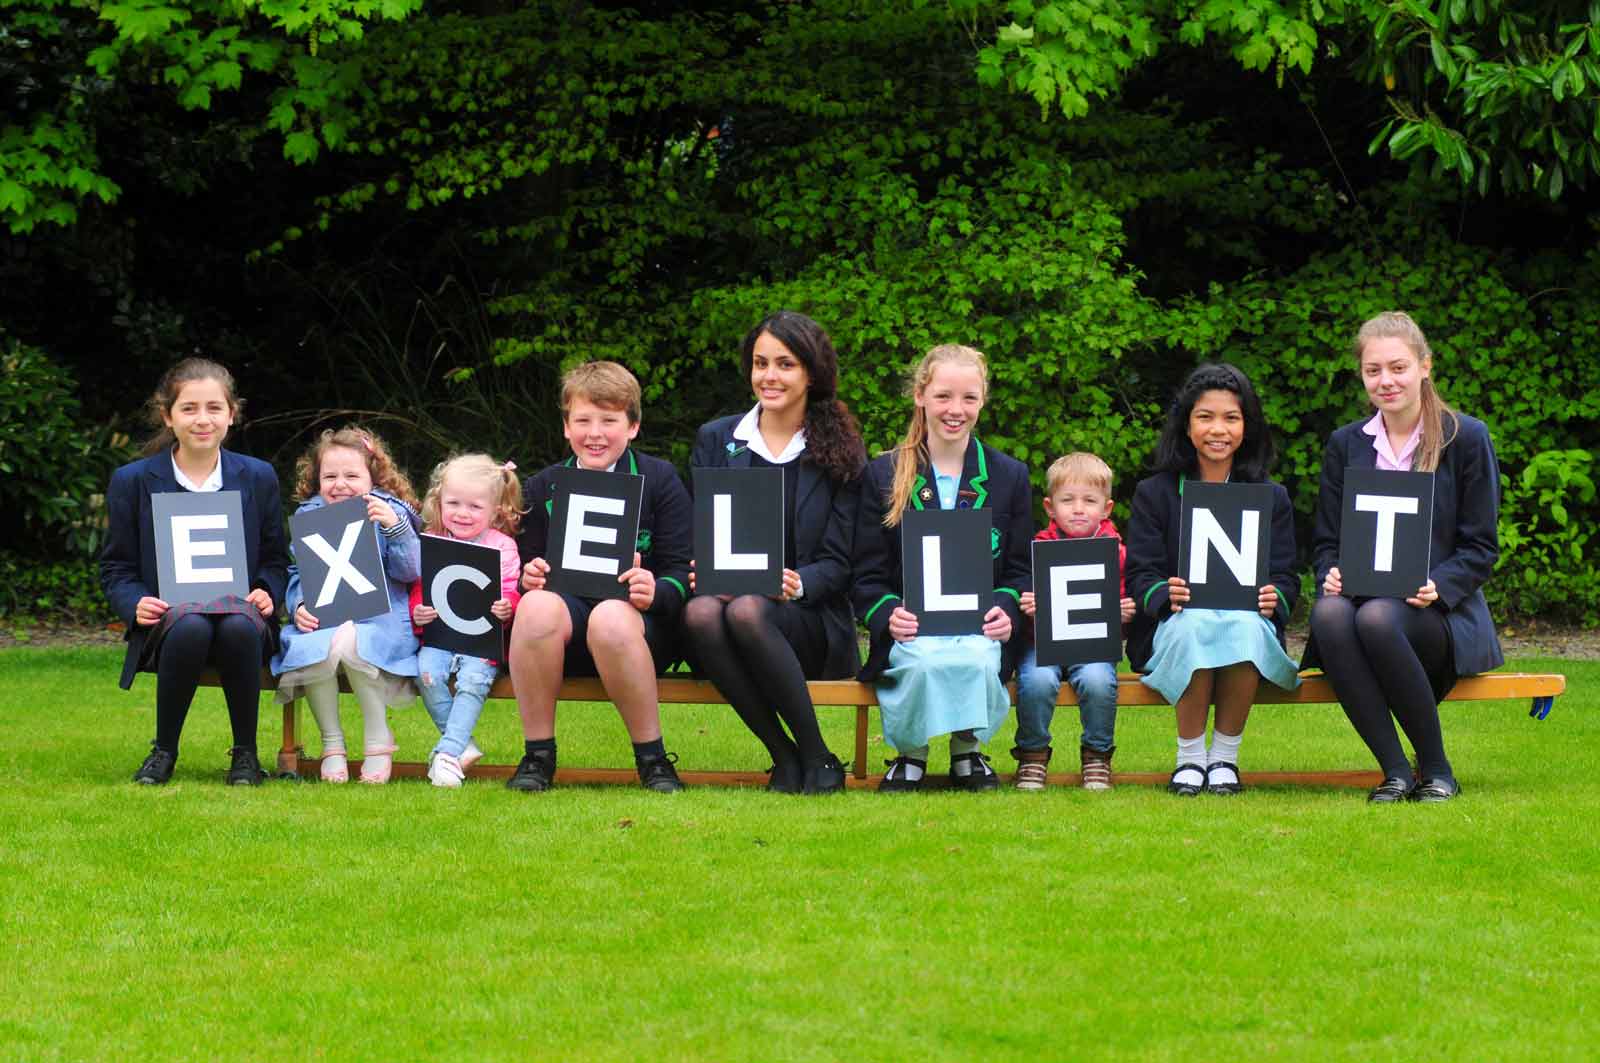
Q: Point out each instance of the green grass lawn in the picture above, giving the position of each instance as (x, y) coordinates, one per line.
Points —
(608, 923)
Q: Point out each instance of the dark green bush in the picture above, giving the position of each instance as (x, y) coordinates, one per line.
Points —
(63, 591)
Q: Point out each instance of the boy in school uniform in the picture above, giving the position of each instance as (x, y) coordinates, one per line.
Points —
(1078, 504)
(626, 642)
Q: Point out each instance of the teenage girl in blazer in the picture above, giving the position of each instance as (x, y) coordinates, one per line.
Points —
(760, 651)
(935, 685)
(1215, 433)
(1387, 659)
(195, 404)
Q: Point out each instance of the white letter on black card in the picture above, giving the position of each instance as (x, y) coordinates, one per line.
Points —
(937, 600)
(1385, 506)
(440, 592)
(722, 538)
(186, 549)
(1241, 561)
(340, 570)
(1062, 602)
(578, 533)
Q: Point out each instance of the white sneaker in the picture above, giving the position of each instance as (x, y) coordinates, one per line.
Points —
(445, 770)
(470, 756)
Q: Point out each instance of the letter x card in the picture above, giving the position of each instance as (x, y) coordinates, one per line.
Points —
(341, 567)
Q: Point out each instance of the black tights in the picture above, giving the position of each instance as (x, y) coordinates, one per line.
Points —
(744, 648)
(1381, 657)
(231, 644)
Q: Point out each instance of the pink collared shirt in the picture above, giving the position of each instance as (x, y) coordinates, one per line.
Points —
(1387, 458)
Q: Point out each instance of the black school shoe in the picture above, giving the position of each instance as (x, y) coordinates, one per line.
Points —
(245, 769)
(1187, 789)
(1391, 791)
(157, 767)
(658, 774)
(535, 772)
(786, 778)
(1434, 791)
(894, 780)
(826, 776)
(980, 778)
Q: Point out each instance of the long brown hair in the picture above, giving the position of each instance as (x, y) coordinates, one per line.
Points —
(165, 397)
(1436, 433)
(833, 440)
(386, 475)
(912, 452)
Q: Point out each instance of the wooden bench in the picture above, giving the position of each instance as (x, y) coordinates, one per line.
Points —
(674, 690)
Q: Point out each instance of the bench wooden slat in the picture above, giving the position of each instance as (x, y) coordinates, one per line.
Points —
(683, 690)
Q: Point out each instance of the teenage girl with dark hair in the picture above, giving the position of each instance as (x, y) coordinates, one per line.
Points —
(194, 406)
(1215, 433)
(1387, 659)
(758, 650)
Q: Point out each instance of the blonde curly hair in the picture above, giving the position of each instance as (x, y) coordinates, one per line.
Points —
(500, 478)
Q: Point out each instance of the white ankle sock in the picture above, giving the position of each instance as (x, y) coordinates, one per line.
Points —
(1224, 750)
(912, 771)
(1191, 751)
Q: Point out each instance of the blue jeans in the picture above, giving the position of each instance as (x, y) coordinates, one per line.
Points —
(1037, 687)
(454, 716)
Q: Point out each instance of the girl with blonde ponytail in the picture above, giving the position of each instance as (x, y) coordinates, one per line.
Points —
(937, 685)
(1391, 660)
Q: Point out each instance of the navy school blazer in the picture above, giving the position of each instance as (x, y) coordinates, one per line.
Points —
(989, 480)
(1153, 537)
(824, 523)
(665, 524)
(128, 560)
(1465, 541)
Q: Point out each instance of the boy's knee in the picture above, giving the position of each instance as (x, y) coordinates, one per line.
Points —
(540, 615)
(614, 625)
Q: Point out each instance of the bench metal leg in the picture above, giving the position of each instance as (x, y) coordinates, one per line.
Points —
(1542, 706)
(859, 768)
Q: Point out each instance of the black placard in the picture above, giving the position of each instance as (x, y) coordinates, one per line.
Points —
(1385, 533)
(738, 531)
(200, 554)
(947, 569)
(461, 581)
(1078, 610)
(341, 567)
(594, 526)
(1225, 544)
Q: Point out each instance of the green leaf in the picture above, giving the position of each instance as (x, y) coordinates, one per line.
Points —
(300, 147)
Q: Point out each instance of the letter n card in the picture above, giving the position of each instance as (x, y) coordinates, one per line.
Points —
(594, 524)
(461, 581)
(947, 569)
(1078, 612)
(341, 566)
(1225, 543)
(738, 531)
(200, 554)
(1385, 533)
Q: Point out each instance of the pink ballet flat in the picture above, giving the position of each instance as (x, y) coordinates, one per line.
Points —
(335, 768)
(377, 762)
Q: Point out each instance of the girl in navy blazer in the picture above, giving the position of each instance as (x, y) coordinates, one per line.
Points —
(1387, 659)
(1194, 657)
(760, 651)
(934, 685)
(195, 404)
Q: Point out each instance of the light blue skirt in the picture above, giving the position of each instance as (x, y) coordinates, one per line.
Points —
(938, 684)
(1213, 638)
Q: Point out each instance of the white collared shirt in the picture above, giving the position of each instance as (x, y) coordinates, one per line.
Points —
(1387, 458)
(748, 432)
(213, 482)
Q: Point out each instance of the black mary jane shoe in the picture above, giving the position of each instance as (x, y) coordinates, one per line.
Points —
(1224, 789)
(1187, 789)
(1434, 791)
(897, 780)
(1392, 790)
(787, 777)
(826, 776)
